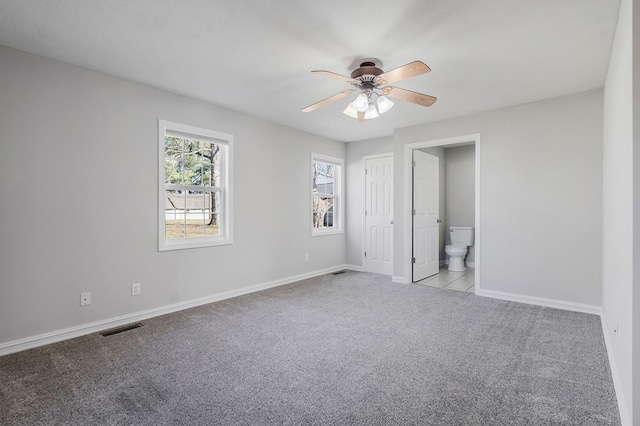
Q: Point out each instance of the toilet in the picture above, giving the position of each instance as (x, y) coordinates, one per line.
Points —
(461, 238)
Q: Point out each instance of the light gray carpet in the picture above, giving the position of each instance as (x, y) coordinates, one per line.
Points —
(350, 349)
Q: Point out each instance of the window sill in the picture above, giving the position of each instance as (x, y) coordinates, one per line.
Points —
(200, 243)
(323, 233)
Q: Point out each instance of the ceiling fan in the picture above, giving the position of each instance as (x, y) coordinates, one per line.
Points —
(373, 99)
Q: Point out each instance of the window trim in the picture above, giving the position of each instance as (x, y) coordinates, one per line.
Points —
(226, 189)
(338, 196)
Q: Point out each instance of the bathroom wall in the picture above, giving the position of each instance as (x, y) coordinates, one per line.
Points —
(460, 190)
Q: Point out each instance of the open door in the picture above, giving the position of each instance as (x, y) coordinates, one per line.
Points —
(426, 224)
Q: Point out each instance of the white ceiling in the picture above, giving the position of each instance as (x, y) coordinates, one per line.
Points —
(255, 56)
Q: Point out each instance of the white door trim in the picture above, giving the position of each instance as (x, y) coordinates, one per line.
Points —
(408, 188)
(364, 201)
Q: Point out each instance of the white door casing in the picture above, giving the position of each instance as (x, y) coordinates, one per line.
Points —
(378, 219)
(426, 207)
(403, 272)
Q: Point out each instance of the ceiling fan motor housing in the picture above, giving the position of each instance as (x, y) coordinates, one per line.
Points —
(366, 74)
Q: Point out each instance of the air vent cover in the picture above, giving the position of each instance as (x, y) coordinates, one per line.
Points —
(117, 330)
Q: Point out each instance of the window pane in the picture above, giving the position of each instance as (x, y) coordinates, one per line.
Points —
(196, 208)
(174, 214)
(212, 227)
(211, 165)
(322, 212)
(206, 154)
(191, 147)
(191, 162)
(323, 177)
(214, 165)
(202, 214)
(212, 216)
(173, 160)
(192, 169)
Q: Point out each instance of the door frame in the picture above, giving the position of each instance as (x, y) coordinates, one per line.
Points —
(408, 197)
(364, 201)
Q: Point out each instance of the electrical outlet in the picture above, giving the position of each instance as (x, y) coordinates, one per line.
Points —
(306, 257)
(135, 289)
(85, 299)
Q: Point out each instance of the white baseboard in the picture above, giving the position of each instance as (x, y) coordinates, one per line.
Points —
(354, 268)
(625, 420)
(540, 301)
(94, 327)
(399, 280)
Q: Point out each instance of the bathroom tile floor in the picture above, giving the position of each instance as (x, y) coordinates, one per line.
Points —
(461, 281)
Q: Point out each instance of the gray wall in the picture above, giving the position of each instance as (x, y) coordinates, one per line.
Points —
(460, 170)
(621, 195)
(79, 185)
(541, 190)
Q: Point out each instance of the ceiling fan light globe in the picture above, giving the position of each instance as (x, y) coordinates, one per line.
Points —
(384, 104)
(350, 111)
(371, 113)
(361, 103)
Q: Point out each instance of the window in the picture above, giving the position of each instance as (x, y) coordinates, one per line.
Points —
(194, 187)
(326, 195)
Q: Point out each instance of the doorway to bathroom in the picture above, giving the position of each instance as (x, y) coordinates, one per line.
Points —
(441, 191)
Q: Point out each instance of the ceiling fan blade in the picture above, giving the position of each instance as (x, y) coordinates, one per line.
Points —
(361, 116)
(409, 70)
(409, 96)
(327, 100)
(338, 76)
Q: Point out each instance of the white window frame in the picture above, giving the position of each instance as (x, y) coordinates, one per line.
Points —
(338, 195)
(225, 189)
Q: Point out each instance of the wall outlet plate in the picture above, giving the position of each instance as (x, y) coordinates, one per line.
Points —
(85, 299)
(135, 289)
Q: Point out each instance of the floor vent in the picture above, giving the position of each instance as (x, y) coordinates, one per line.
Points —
(120, 329)
(338, 272)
